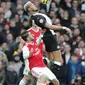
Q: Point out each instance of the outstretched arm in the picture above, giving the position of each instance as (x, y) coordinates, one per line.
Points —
(54, 27)
(42, 22)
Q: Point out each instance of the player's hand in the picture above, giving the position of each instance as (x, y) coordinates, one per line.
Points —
(68, 30)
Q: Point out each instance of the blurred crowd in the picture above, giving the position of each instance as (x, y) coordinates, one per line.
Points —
(13, 19)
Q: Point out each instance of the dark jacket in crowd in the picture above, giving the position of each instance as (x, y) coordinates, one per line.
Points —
(11, 77)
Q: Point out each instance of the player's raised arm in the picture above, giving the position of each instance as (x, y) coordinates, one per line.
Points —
(54, 27)
(41, 21)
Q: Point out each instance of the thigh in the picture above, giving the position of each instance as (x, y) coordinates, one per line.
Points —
(37, 71)
(49, 74)
(55, 55)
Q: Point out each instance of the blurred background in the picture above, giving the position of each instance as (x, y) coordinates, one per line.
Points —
(13, 19)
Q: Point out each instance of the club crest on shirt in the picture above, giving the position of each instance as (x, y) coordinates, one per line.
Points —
(41, 20)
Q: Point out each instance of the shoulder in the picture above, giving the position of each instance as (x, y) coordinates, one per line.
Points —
(25, 52)
(39, 16)
(25, 48)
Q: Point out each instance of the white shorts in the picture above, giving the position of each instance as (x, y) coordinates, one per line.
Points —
(26, 68)
(38, 71)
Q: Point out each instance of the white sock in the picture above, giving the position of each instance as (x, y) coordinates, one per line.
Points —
(57, 63)
(22, 82)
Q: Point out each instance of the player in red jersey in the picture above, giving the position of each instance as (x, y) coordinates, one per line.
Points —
(36, 32)
(36, 64)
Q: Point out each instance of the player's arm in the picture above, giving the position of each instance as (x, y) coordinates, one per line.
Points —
(41, 21)
(26, 52)
(54, 27)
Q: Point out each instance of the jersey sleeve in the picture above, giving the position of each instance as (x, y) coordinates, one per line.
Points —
(39, 20)
(25, 52)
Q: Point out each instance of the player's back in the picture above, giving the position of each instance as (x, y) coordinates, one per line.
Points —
(48, 20)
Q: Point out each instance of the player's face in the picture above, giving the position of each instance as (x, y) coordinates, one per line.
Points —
(32, 7)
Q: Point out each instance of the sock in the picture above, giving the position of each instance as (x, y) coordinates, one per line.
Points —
(22, 82)
(57, 63)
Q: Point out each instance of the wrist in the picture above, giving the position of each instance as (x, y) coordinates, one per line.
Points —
(63, 28)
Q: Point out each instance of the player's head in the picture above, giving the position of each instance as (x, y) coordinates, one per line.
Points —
(30, 7)
(27, 36)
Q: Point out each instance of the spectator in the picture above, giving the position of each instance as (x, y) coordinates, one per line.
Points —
(7, 51)
(66, 5)
(8, 12)
(67, 53)
(25, 24)
(20, 10)
(11, 43)
(57, 22)
(13, 28)
(5, 30)
(42, 11)
(54, 7)
(77, 16)
(77, 52)
(62, 40)
(18, 63)
(52, 14)
(3, 5)
(76, 33)
(74, 62)
(82, 24)
(81, 71)
(11, 75)
(74, 23)
(2, 74)
(75, 42)
(75, 7)
(66, 19)
(18, 24)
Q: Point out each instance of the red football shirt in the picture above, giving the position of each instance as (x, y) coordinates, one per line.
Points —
(35, 60)
(36, 35)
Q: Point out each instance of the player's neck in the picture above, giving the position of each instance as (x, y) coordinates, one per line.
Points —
(34, 28)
